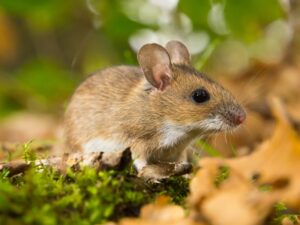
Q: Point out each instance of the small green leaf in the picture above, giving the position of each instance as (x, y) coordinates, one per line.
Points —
(224, 172)
(208, 148)
(265, 188)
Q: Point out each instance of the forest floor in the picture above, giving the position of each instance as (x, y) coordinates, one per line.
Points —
(253, 180)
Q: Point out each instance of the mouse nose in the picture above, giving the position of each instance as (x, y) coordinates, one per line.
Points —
(235, 114)
(239, 117)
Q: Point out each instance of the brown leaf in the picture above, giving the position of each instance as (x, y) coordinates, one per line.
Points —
(240, 198)
(160, 213)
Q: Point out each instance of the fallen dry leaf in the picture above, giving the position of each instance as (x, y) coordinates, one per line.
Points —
(247, 137)
(253, 183)
(160, 213)
(239, 191)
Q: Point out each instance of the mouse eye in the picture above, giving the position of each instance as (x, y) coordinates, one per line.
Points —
(200, 95)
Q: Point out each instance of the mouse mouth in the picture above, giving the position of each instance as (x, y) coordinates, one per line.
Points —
(226, 117)
(215, 123)
(222, 122)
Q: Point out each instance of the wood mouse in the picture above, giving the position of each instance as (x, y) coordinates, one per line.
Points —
(156, 109)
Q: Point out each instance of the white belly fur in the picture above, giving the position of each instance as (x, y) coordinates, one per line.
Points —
(102, 145)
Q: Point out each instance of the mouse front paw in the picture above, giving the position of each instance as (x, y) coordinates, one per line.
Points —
(182, 169)
(153, 173)
(156, 172)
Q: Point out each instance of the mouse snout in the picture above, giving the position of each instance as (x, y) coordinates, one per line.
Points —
(235, 115)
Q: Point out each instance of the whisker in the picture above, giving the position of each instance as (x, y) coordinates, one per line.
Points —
(225, 136)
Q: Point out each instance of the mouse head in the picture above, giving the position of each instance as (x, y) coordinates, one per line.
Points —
(182, 95)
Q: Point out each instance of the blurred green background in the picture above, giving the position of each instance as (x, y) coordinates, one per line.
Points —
(47, 47)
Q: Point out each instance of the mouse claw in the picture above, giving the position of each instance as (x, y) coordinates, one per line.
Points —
(152, 181)
(182, 169)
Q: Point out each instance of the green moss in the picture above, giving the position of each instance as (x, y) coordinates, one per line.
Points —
(28, 154)
(281, 212)
(42, 196)
(174, 187)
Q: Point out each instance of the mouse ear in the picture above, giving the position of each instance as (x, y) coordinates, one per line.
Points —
(178, 52)
(156, 65)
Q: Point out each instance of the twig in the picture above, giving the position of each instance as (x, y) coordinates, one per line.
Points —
(100, 161)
